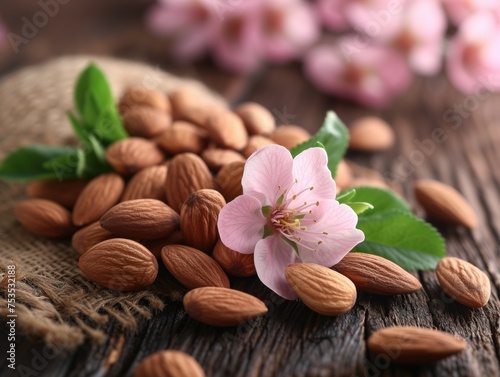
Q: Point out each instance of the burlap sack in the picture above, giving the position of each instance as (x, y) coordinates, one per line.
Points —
(55, 303)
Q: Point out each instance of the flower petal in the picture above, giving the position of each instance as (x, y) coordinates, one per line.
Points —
(241, 224)
(272, 256)
(266, 170)
(339, 222)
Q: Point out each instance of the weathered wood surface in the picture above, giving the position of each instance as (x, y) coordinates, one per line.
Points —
(291, 340)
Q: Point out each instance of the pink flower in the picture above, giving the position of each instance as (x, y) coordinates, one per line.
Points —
(459, 10)
(288, 214)
(372, 75)
(474, 53)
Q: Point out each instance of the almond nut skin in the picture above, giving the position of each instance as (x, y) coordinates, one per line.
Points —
(228, 180)
(100, 194)
(141, 96)
(149, 183)
(187, 173)
(227, 130)
(169, 363)
(182, 137)
(142, 219)
(289, 136)
(193, 268)
(343, 176)
(323, 290)
(146, 122)
(199, 215)
(378, 275)
(155, 246)
(234, 263)
(444, 203)
(463, 282)
(370, 134)
(413, 345)
(128, 156)
(119, 264)
(216, 158)
(190, 105)
(255, 143)
(257, 119)
(88, 237)
(44, 218)
(64, 193)
(222, 307)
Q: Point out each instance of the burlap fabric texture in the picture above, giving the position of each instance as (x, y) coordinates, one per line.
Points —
(55, 302)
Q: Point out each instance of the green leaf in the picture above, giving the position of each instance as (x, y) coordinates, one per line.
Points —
(27, 164)
(402, 238)
(108, 127)
(346, 195)
(382, 200)
(360, 207)
(67, 166)
(334, 137)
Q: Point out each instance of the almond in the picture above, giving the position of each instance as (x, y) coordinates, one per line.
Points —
(187, 173)
(169, 363)
(128, 156)
(289, 136)
(370, 182)
(222, 307)
(143, 219)
(88, 237)
(234, 263)
(228, 180)
(370, 134)
(141, 96)
(190, 105)
(463, 282)
(444, 203)
(254, 143)
(378, 275)
(149, 183)
(193, 268)
(217, 158)
(199, 215)
(257, 119)
(155, 246)
(64, 193)
(227, 130)
(414, 345)
(100, 194)
(343, 176)
(182, 137)
(119, 264)
(44, 218)
(146, 122)
(325, 291)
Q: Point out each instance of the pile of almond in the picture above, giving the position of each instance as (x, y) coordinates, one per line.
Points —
(183, 162)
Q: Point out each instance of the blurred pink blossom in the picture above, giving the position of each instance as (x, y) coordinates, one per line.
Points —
(459, 10)
(372, 75)
(474, 52)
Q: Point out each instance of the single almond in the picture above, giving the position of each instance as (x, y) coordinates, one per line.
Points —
(141, 96)
(414, 345)
(64, 193)
(168, 363)
(119, 264)
(234, 263)
(343, 176)
(143, 121)
(463, 282)
(182, 137)
(198, 218)
(378, 275)
(216, 158)
(190, 105)
(193, 268)
(222, 307)
(128, 156)
(371, 134)
(289, 135)
(256, 142)
(149, 183)
(370, 182)
(257, 119)
(228, 180)
(142, 219)
(100, 194)
(227, 130)
(44, 218)
(323, 290)
(444, 203)
(155, 246)
(88, 237)
(187, 173)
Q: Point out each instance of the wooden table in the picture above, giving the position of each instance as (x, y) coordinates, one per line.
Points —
(292, 340)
